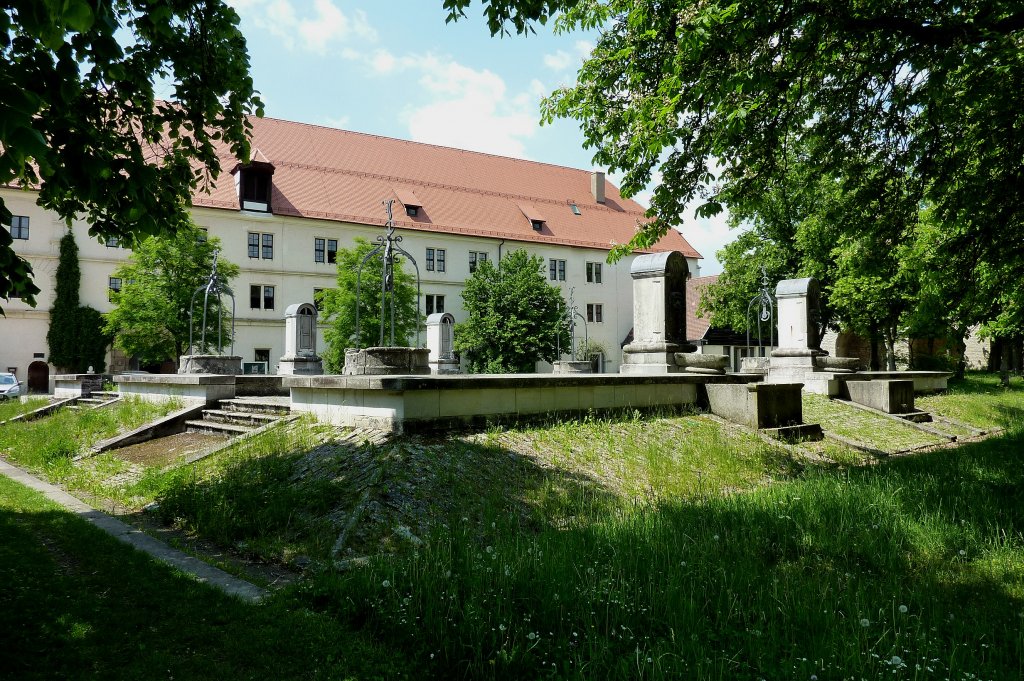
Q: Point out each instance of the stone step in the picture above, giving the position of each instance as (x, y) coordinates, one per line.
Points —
(107, 394)
(256, 407)
(242, 418)
(915, 416)
(92, 400)
(229, 429)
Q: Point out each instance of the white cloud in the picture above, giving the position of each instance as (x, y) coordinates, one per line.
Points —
(340, 122)
(316, 27)
(558, 61)
(470, 109)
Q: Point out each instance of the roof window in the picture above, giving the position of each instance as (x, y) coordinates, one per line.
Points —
(575, 209)
(537, 224)
(253, 183)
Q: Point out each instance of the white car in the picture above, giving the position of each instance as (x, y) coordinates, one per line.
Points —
(10, 386)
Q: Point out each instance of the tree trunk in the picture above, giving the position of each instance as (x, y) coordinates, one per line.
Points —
(890, 349)
(875, 363)
(1004, 365)
(959, 342)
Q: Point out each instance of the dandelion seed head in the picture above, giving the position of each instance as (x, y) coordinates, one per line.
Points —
(865, 622)
(903, 609)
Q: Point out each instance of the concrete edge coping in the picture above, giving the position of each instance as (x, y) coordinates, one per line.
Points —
(41, 411)
(113, 442)
(898, 417)
(405, 382)
(176, 379)
(139, 540)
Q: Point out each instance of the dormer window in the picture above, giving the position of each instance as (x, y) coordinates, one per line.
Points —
(537, 224)
(533, 215)
(407, 197)
(254, 183)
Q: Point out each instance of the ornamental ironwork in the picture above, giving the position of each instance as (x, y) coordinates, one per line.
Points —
(212, 290)
(387, 246)
(761, 310)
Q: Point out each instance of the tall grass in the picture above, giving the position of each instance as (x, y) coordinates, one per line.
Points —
(910, 569)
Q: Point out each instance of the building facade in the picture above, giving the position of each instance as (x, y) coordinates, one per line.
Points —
(311, 191)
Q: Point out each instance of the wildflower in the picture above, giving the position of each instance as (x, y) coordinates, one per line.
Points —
(715, 537)
(865, 622)
(962, 552)
(903, 610)
(385, 584)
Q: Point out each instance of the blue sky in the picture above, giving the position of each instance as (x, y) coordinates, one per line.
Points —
(394, 68)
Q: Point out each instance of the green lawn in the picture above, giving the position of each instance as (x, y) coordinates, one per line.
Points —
(605, 548)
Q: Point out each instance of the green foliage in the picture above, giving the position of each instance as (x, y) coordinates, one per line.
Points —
(151, 314)
(80, 119)
(76, 337)
(515, 316)
(339, 306)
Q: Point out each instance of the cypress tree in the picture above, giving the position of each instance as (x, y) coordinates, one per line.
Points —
(75, 337)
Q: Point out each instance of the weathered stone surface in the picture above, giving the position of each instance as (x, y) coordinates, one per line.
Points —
(565, 366)
(300, 366)
(889, 396)
(76, 385)
(837, 364)
(701, 363)
(203, 388)
(221, 365)
(758, 405)
(754, 365)
(386, 361)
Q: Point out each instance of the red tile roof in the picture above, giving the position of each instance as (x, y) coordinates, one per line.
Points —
(338, 175)
(696, 326)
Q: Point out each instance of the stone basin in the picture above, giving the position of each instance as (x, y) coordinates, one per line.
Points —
(700, 363)
(386, 361)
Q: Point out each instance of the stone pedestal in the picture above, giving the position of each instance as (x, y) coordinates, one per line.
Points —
(386, 362)
(889, 396)
(653, 358)
(76, 385)
(300, 366)
(220, 365)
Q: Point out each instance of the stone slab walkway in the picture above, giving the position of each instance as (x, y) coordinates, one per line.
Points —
(137, 539)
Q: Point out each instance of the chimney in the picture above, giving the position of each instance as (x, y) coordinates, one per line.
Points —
(597, 185)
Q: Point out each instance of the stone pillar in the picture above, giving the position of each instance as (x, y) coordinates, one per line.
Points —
(300, 342)
(659, 314)
(799, 315)
(441, 343)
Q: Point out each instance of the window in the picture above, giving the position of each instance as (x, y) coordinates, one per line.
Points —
(318, 250)
(412, 211)
(261, 355)
(435, 303)
(325, 250)
(113, 242)
(595, 312)
(19, 227)
(575, 209)
(267, 240)
(474, 258)
(593, 273)
(261, 296)
(332, 251)
(255, 190)
(537, 224)
(435, 260)
(202, 235)
(318, 299)
(556, 269)
(113, 286)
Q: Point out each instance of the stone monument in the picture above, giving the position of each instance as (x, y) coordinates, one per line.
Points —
(659, 343)
(300, 356)
(799, 356)
(441, 343)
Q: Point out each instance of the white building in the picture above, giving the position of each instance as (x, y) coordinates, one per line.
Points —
(311, 190)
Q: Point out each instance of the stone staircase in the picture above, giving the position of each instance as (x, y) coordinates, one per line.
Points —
(95, 400)
(240, 416)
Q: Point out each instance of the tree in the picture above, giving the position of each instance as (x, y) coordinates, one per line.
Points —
(150, 319)
(76, 337)
(79, 119)
(685, 87)
(339, 306)
(515, 317)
